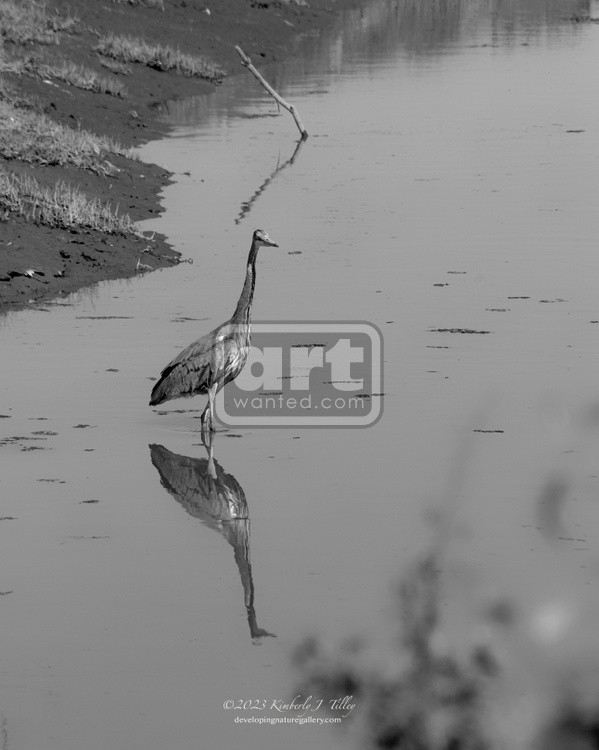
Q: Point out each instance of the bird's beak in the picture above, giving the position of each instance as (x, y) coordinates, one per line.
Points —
(268, 242)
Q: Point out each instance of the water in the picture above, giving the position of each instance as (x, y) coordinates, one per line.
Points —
(449, 182)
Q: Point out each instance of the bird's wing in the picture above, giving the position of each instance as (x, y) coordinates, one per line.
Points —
(213, 359)
(202, 348)
(204, 360)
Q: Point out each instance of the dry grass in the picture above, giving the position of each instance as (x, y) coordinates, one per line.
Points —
(131, 50)
(34, 138)
(114, 66)
(81, 77)
(60, 206)
(8, 64)
(28, 21)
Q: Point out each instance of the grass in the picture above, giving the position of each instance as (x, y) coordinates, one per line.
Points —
(61, 206)
(82, 77)
(127, 49)
(7, 64)
(147, 3)
(32, 137)
(114, 66)
(27, 21)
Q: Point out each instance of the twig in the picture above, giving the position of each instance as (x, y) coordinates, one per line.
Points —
(246, 62)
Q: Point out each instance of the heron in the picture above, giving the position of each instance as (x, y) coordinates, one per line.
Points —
(204, 490)
(208, 364)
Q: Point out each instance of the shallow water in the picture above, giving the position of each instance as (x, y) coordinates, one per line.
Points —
(448, 185)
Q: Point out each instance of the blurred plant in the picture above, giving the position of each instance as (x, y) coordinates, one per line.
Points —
(514, 671)
(423, 697)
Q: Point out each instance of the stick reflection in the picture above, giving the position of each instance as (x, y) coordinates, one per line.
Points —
(207, 492)
(246, 206)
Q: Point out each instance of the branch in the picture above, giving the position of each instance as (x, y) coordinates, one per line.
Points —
(247, 63)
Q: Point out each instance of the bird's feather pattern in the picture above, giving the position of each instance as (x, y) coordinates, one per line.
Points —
(216, 358)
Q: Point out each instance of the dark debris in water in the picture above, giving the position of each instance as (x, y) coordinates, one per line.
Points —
(335, 382)
(59, 481)
(44, 432)
(177, 411)
(551, 301)
(15, 439)
(184, 319)
(456, 330)
(83, 426)
(5, 416)
(257, 115)
(490, 432)
(520, 297)
(104, 317)
(8, 518)
(89, 502)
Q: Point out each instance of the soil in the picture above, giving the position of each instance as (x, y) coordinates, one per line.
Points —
(68, 260)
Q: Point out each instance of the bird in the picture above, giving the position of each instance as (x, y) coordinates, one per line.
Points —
(217, 358)
(207, 492)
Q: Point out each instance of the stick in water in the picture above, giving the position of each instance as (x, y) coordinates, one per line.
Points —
(246, 62)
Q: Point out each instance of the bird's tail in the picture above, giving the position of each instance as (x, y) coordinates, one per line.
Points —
(178, 380)
(160, 392)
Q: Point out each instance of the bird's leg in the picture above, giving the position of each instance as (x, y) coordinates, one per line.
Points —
(211, 397)
(208, 413)
(210, 449)
(208, 441)
(204, 419)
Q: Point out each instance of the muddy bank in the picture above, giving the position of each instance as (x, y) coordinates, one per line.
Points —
(66, 257)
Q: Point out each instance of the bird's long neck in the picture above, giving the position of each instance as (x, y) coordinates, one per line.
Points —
(244, 306)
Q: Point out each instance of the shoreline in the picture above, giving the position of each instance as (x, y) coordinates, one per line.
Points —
(40, 261)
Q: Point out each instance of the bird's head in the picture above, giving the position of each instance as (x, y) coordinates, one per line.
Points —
(261, 238)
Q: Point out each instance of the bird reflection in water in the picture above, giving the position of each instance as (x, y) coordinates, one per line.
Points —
(207, 492)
